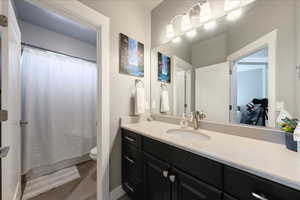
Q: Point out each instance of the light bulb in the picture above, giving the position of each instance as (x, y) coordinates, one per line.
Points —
(191, 33)
(231, 4)
(170, 31)
(210, 25)
(233, 15)
(176, 40)
(205, 13)
(185, 22)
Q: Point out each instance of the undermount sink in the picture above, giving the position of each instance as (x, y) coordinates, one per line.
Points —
(188, 134)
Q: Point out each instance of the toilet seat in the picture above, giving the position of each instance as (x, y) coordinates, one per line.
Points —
(93, 153)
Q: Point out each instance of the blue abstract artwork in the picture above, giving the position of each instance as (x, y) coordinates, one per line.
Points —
(164, 68)
(131, 56)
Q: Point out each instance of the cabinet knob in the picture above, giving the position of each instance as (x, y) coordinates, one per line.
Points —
(172, 178)
(165, 173)
(260, 197)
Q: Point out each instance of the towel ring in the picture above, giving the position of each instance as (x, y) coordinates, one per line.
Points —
(164, 86)
(137, 81)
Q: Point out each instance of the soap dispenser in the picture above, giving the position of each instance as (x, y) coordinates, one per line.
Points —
(184, 123)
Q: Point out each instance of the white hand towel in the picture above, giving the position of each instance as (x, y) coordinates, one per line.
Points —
(139, 100)
(164, 102)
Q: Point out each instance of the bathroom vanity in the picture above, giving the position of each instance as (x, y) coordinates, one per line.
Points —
(157, 165)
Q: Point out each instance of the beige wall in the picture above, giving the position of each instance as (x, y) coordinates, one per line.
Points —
(135, 21)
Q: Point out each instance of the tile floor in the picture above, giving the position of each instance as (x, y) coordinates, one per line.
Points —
(83, 188)
(80, 189)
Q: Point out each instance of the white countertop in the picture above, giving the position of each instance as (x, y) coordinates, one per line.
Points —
(269, 160)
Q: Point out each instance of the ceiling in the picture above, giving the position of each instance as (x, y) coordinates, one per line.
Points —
(51, 21)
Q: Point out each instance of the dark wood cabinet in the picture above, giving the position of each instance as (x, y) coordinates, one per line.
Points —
(202, 168)
(156, 179)
(187, 187)
(245, 186)
(152, 170)
(227, 197)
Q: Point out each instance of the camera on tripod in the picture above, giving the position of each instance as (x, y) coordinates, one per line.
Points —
(262, 102)
(263, 111)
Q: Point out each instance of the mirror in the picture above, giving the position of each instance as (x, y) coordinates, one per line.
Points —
(240, 69)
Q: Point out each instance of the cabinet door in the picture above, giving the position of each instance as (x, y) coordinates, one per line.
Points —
(187, 187)
(156, 183)
(227, 197)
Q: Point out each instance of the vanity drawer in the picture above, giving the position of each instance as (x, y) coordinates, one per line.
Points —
(132, 160)
(129, 137)
(134, 189)
(202, 168)
(245, 186)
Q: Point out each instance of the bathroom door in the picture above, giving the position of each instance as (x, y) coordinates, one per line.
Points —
(212, 91)
(10, 52)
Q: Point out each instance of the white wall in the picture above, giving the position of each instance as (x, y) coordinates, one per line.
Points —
(47, 39)
(133, 20)
(210, 51)
(246, 94)
(297, 22)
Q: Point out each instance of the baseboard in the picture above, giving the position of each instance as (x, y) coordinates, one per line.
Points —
(17, 195)
(117, 193)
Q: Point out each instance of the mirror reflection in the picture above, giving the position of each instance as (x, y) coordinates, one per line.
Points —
(241, 70)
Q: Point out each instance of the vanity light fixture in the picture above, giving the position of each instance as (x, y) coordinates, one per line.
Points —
(231, 5)
(201, 13)
(191, 33)
(185, 22)
(176, 40)
(205, 13)
(170, 31)
(235, 14)
(210, 25)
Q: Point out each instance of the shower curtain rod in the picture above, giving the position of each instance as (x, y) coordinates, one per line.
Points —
(57, 52)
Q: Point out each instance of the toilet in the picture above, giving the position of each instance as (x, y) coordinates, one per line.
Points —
(93, 153)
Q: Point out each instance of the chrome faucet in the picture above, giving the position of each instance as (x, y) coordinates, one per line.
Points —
(196, 118)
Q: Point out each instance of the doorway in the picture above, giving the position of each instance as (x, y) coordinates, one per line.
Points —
(264, 51)
(250, 91)
(10, 47)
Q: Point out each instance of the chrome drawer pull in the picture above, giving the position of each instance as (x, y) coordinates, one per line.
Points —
(129, 187)
(130, 160)
(257, 196)
(172, 178)
(129, 139)
(165, 173)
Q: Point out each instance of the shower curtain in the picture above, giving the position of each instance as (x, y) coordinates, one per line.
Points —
(59, 96)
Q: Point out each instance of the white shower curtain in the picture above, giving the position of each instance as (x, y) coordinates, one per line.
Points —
(59, 96)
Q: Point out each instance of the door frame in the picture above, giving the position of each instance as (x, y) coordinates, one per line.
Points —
(77, 11)
(269, 41)
(188, 67)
